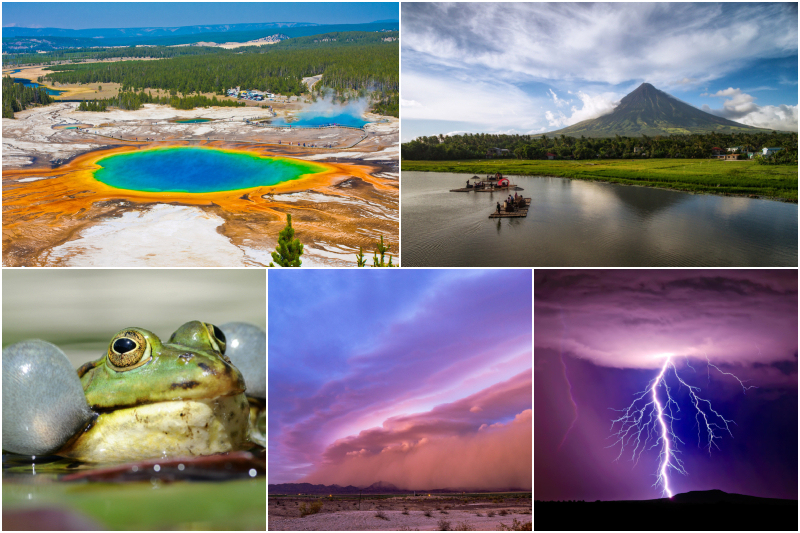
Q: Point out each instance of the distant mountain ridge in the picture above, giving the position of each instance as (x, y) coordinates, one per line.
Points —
(23, 39)
(380, 487)
(148, 31)
(649, 111)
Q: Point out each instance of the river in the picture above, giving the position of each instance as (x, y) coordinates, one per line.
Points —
(582, 223)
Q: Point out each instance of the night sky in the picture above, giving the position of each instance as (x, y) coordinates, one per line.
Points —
(418, 378)
(601, 335)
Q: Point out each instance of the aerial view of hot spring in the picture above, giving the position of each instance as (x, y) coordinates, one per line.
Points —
(203, 163)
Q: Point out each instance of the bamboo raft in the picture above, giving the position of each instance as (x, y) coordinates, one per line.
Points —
(520, 211)
(492, 189)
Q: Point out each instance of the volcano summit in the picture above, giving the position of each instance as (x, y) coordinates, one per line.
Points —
(649, 111)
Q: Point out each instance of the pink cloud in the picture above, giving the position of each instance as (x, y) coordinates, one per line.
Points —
(496, 457)
(458, 418)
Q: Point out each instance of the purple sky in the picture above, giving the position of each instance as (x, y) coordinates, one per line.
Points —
(419, 378)
(602, 335)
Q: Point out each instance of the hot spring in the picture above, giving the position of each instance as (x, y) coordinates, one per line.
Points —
(309, 119)
(198, 170)
(191, 120)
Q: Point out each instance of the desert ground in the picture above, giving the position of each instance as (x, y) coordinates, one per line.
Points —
(341, 513)
(50, 218)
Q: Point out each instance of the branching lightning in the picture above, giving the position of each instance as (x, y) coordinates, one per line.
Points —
(647, 423)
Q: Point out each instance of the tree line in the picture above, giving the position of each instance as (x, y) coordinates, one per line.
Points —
(369, 66)
(131, 101)
(77, 55)
(17, 97)
(698, 146)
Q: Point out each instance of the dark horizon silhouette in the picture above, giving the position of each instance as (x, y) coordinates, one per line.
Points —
(713, 510)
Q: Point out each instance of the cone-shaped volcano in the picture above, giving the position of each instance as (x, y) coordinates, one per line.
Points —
(648, 111)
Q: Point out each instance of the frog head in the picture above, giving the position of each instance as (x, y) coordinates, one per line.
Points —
(139, 369)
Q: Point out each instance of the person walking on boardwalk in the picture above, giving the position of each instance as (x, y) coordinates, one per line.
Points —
(498, 208)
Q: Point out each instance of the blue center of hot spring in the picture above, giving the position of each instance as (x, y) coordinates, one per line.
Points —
(307, 119)
(197, 170)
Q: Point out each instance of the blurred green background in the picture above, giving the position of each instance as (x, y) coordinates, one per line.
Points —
(81, 310)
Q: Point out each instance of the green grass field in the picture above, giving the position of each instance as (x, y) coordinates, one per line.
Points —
(738, 178)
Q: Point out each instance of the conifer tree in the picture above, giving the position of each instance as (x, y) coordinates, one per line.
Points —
(289, 249)
(360, 261)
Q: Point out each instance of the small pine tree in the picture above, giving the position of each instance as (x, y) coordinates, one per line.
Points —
(382, 250)
(360, 257)
(289, 249)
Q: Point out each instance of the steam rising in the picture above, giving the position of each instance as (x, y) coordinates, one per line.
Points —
(326, 106)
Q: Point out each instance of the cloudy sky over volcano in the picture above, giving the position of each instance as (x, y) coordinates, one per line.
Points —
(535, 67)
(601, 336)
(419, 378)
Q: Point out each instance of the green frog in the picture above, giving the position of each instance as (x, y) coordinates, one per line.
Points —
(143, 398)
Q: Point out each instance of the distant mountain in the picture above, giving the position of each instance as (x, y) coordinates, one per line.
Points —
(380, 487)
(719, 496)
(701, 510)
(649, 111)
(167, 36)
(96, 33)
(32, 44)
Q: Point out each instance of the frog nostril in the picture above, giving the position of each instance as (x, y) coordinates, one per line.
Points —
(124, 345)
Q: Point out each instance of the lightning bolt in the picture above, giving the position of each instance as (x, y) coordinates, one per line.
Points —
(566, 378)
(647, 423)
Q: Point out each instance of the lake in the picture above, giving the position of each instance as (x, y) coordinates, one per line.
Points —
(28, 83)
(581, 223)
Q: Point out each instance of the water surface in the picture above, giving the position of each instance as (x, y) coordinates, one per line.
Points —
(28, 83)
(315, 120)
(191, 120)
(580, 223)
(198, 170)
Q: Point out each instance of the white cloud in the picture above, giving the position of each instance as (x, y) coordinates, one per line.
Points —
(741, 107)
(559, 102)
(607, 43)
(593, 107)
(483, 102)
(409, 103)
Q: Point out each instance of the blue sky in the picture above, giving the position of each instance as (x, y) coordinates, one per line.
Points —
(374, 375)
(536, 67)
(81, 15)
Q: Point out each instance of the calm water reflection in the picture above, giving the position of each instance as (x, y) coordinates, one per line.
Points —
(579, 223)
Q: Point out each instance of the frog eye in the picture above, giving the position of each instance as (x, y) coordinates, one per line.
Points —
(217, 337)
(128, 349)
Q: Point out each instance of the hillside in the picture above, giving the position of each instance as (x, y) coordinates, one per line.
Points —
(649, 111)
(18, 40)
(712, 510)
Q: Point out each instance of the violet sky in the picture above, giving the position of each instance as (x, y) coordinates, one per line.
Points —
(601, 336)
(419, 378)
